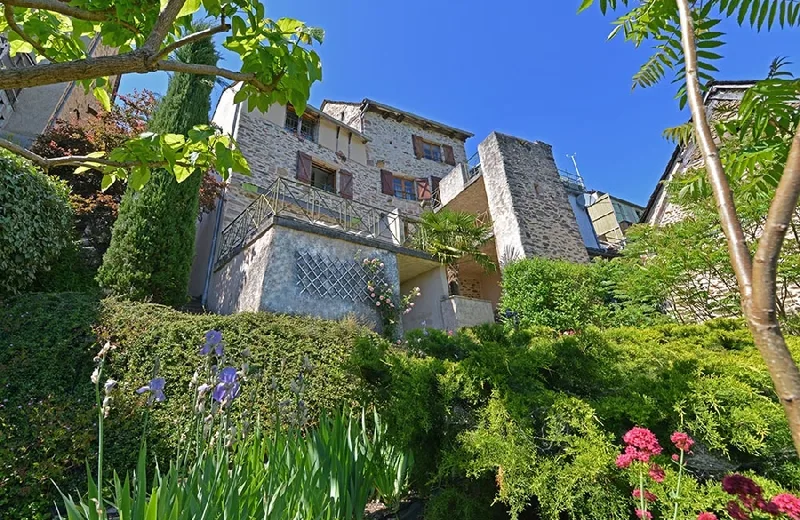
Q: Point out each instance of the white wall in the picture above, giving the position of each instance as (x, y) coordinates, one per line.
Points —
(428, 306)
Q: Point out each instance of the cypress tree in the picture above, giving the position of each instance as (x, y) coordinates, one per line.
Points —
(152, 242)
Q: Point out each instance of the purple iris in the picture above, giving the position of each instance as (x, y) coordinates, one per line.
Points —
(156, 389)
(228, 387)
(213, 342)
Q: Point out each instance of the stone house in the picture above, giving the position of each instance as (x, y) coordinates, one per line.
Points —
(26, 113)
(348, 181)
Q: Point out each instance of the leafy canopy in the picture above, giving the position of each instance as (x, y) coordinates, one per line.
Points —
(139, 36)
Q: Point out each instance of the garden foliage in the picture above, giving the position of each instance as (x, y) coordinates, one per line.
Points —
(35, 223)
(46, 347)
(568, 296)
(152, 245)
(526, 415)
(541, 414)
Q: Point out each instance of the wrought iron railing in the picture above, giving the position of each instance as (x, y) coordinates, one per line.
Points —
(473, 166)
(290, 198)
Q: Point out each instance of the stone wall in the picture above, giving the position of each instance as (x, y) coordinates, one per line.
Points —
(265, 276)
(348, 113)
(271, 152)
(527, 202)
(459, 312)
(391, 146)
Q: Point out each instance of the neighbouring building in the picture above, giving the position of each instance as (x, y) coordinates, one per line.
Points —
(348, 181)
(660, 210)
(26, 113)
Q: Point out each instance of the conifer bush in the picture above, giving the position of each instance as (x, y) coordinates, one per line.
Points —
(35, 223)
(152, 242)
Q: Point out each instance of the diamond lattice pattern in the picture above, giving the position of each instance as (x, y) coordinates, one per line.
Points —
(322, 276)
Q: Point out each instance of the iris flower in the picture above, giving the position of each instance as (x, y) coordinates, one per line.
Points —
(228, 387)
(156, 390)
(213, 342)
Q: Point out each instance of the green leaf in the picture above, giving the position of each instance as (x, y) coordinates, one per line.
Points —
(107, 181)
(585, 5)
(102, 96)
(190, 7)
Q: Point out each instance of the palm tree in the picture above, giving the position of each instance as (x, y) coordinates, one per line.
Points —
(449, 236)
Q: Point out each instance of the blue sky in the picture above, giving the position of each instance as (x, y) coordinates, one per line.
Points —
(529, 68)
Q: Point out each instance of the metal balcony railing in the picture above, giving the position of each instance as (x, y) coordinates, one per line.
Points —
(290, 198)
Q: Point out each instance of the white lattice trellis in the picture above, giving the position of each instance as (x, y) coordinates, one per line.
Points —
(325, 277)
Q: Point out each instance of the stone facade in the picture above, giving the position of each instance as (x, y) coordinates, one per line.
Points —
(271, 151)
(36, 108)
(266, 276)
(527, 201)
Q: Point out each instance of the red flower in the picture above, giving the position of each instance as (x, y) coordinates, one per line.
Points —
(656, 473)
(788, 505)
(675, 457)
(740, 486)
(647, 515)
(650, 497)
(736, 512)
(643, 440)
(707, 516)
(682, 441)
(624, 460)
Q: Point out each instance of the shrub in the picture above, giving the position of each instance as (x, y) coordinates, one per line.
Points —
(35, 223)
(152, 243)
(543, 413)
(46, 349)
(552, 293)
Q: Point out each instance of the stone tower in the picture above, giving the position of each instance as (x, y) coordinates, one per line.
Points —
(527, 201)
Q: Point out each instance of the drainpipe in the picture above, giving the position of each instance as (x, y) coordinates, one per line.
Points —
(220, 209)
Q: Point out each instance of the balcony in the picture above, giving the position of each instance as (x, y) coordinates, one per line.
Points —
(288, 198)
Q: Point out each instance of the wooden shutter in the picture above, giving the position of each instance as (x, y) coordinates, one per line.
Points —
(303, 173)
(435, 187)
(449, 157)
(387, 182)
(417, 141)
(423, 189)
(346, 184)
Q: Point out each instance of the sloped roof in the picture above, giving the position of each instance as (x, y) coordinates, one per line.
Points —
(369, 104)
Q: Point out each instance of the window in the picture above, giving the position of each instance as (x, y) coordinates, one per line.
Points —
(432, 151)
(305, 127)
(323, 178)
(404, 188)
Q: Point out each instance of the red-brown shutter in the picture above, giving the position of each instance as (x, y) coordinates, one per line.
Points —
(346, 184)
(303, 173)
(435, 187)
(423, 189)
(449, 157)
(387, 182)
(417, 141)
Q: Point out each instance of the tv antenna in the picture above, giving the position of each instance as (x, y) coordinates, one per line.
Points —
(575, 163)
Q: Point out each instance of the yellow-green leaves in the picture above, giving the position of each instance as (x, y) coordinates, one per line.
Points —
(203, 149)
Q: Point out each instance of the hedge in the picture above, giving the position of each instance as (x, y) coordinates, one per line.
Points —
(539, 415)
(47, 342)
(36, 222)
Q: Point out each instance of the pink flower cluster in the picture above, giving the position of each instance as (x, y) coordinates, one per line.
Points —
(682, 441)
(707, 516)
(749, 499)
(640, 445)
(650, 497)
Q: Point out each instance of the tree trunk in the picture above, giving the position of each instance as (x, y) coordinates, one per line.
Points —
(756, 280)
(453, 283)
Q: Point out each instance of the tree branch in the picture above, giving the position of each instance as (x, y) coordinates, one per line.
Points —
(135, 62)
(163, 25)
(737, 244)
(76, 160)
(8, 12)
(169, 49)
(60, 7)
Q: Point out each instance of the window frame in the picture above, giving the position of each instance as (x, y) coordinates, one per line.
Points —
(297, 128)
(332, 175)
(437, 156)
(406, 183)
